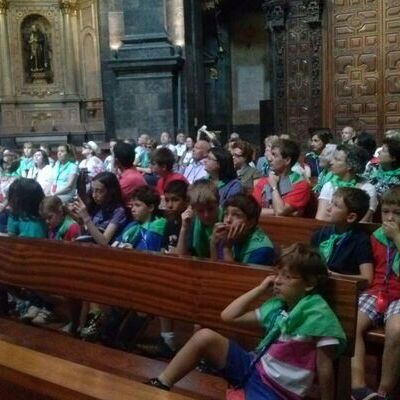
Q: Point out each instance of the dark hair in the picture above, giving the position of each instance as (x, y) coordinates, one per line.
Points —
(367, 142)
(226, 169)
(356, 157)
(246, 148)
(306, 261)
(24, 197)
(324, 134)
(124, 153)
(245, 203)
(178, 188)
(289, 149)
(113, 198)
(163, 157)
(148, 196)
(393, 145)
(44, 155)
(391, 197)
(70, 149)
(355, 200)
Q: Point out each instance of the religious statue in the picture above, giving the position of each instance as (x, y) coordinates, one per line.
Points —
(38, 50)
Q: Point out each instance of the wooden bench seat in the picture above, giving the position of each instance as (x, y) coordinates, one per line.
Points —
(180, 288)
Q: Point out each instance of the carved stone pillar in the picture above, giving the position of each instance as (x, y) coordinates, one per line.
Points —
(5, 59)
(69, 11)
(176, 22)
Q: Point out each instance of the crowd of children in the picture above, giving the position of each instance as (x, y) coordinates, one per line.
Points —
(204, 200)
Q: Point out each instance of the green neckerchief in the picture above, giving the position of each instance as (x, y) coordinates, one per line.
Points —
(68, 221)
(381, 175)
(338, 182)
(311, 316)
(202, 236)
(325, 176)
(256, 240)
(285, 185)
(381, 237)
(156, 226)
(295, 177)
(327, 247)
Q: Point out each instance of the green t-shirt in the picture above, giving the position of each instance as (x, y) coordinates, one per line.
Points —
(26, 227)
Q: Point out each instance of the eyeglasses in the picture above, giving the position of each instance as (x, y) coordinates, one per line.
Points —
(235, 155)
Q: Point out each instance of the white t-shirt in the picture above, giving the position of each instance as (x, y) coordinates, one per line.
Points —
(328, 190)
(93, 165)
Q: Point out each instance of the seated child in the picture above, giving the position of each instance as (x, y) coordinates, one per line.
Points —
(302, 334)
(198, 219)
(146, 232)
(380, 304)
(176, 202)
(345, 247)
(238, 238)
(60, 225)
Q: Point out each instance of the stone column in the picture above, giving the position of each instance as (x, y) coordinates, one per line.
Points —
(176, 22)
(69, 11)
(5, 59)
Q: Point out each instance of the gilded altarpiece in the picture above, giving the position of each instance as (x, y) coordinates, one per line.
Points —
(296, 51)
(363, 79)
(52, 58)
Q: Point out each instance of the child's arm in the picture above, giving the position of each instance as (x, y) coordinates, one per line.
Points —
(182, 246)
(366, 272)
(325, 356)
(238, 311)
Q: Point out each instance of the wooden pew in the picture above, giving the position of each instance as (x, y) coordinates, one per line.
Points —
(184, 289)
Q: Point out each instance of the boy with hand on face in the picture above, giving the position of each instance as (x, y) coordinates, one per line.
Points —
(238, 238)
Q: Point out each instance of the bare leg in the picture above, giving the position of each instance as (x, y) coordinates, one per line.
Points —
(203, 344)
(391, 355)
(358, 360)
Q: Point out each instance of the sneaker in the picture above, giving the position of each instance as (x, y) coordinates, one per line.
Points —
(91, 331)
(158, 384)
(365, 393)
(44, 316)
(157, 349)
(30, 313)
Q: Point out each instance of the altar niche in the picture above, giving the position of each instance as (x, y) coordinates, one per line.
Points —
(36, 49)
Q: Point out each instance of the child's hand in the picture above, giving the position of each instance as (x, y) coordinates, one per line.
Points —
(220, 233)
(187, 216)
(234, 233)
(79, 209)
(391, 230)
(267, 283)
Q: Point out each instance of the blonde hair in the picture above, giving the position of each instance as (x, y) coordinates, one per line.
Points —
(203, 192)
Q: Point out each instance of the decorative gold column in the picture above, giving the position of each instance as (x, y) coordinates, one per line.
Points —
(69, 11)
(5, 59)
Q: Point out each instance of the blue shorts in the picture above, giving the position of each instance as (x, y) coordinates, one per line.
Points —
(238, 367)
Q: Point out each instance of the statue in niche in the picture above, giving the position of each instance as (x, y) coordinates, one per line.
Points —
(37, 53)
(39, 50)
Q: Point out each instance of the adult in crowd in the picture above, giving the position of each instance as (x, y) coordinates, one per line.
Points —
(386, 174)
(180, 146)
(42, 171)
(142, 154)
(319, 139)
(219, 165)
(65, 174)
(187, 157)
(46, 148)
(242, 153)
(347, 166)
(91, 163)
(325, 160)
(284, 191)
(263, 162)
(367, 142)
(166, 141)
(196, 170)
(26, 161)
(129, 178)
(109, 162)
(348, 135)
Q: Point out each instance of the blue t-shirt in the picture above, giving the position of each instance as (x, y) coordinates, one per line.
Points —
(103, 218)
